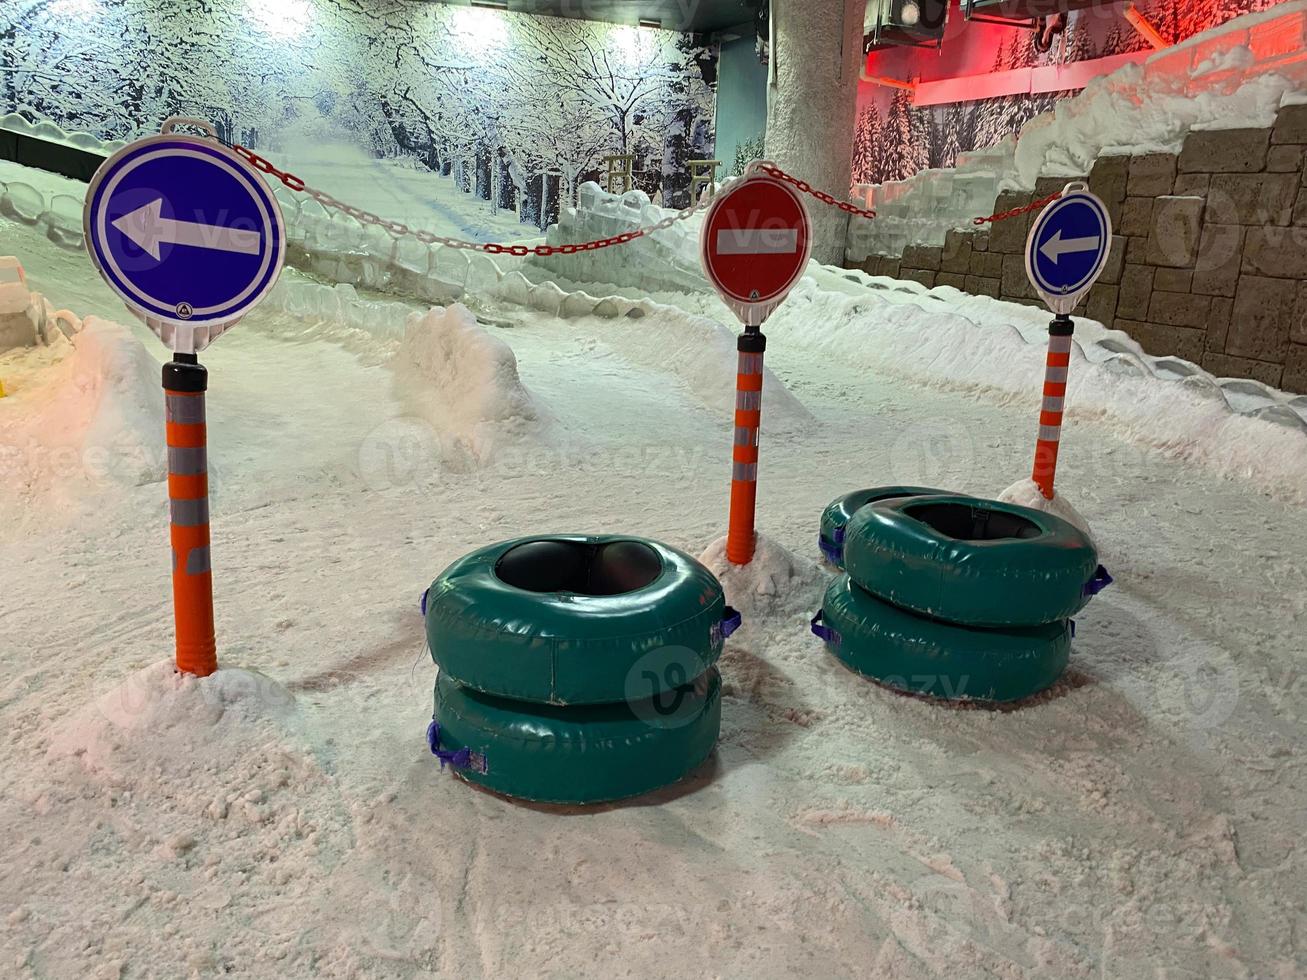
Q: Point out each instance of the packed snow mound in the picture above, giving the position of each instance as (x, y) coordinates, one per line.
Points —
(127, 424)
(465, 383)
(163, 714)
(1026, 493)
(776, 584)
(93, 411)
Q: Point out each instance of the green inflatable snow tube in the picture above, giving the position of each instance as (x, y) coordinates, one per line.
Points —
(838, 513)
(924, 656)
(973, 562)
(577, 754)
(575, 619)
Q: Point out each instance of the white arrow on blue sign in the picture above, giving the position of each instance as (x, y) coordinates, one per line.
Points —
(186, 233)
(1068, 247)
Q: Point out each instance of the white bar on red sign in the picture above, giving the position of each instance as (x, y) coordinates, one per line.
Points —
(757, 241)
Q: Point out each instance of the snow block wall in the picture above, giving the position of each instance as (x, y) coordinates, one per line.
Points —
(1208, 261)
(516, 108)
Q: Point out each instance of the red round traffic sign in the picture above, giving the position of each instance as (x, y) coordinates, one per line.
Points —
(755, 243)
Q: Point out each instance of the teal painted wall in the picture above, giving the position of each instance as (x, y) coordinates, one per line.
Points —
(741, 98)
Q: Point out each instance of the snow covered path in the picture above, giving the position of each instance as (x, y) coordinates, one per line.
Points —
(410, 194)
(1143, 819)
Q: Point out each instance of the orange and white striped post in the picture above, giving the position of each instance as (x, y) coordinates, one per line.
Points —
(184, 383)
(744, 469)
(1050, 414)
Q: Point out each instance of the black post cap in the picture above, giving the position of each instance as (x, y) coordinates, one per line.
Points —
(185, 373)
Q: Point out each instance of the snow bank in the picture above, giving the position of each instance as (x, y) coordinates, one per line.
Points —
(465, 383)
(93, 412)
(666, 260)
(1140, 110)
(918, 336)
(52, 133)
(1116, 350)
(174, 721)
(776, 584)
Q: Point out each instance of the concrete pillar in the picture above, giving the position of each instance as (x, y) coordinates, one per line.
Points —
(811, 96)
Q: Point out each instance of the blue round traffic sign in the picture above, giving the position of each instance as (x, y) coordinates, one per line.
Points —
(1068, 247)
(184, 231)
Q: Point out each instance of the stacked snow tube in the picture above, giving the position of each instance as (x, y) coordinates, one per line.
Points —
(838, 513)
(576, 669)
(957, 597)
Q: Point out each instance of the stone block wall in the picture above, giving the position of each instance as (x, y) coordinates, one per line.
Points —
(1209, 256)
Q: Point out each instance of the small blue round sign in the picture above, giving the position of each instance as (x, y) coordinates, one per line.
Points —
(1068, 248)
(184, 231)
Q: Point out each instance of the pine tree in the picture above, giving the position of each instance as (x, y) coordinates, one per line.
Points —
(864, 144)
(1114, 42)
(881, 152)
(921, 153)
(951, 137)
(1080, 45)
(898, 138)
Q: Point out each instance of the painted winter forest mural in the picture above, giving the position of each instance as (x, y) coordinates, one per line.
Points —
(517, 109)
(895, 140)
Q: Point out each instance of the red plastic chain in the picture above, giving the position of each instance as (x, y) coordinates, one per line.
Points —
(492, 248)
(771, 170)
(1017, 212)
(263, 165)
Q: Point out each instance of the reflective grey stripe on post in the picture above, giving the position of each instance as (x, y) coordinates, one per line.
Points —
(184, 409)
(1056, 374)
(1053, 403)
(747, 472)
(748, 401)
(187, 460)
(1050, 433)
(750, 364)
(197, 561)
(745, 436)
(190, 513)
(1059, 344)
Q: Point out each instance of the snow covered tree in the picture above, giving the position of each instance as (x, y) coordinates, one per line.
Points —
(919, 154)
(898, 156)
(952, 135)
(866, 139)
(1079, 43)
(452, 87)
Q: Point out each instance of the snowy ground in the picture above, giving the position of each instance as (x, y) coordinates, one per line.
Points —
(286, 819)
